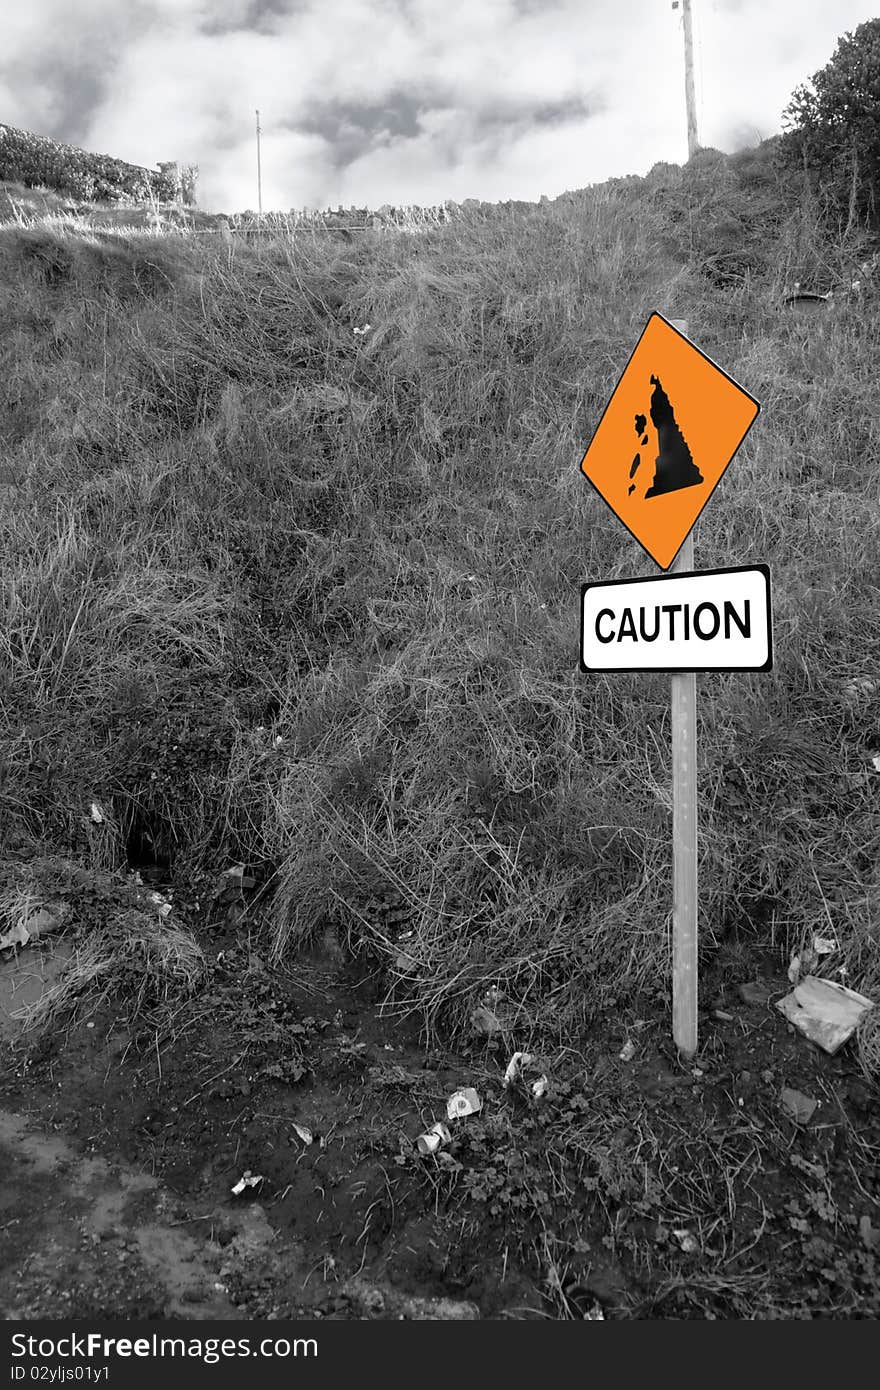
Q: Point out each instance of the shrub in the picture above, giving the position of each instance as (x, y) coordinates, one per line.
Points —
(833, 122)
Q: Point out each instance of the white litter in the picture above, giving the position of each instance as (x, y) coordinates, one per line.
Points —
(248, 1179)
(539, 1088)
(824, 1011)
(16, 936)
(689, 1245)
(433, 1139)
(515, 1066)
(628, 1051)
(463, 1103)
(305, 1135)
(96, 813)
(824, 945)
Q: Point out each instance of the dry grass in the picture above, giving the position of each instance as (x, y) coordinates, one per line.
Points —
(231, 520)
(137, 958)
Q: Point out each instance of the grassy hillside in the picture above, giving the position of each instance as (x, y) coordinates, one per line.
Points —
(281, 592)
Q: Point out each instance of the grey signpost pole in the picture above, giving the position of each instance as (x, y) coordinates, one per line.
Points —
(684, 834)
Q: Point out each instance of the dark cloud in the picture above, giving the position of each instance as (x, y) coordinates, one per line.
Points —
(353, 129)
(64, 79)
(252, 16)
(68, 96)
(522, 7)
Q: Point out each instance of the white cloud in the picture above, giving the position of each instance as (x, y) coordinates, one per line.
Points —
(483, 98)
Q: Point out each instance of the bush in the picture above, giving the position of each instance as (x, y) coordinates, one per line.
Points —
(35, 160)
(833, 123)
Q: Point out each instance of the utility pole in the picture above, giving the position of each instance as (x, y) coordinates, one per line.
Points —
(259, 172)
(693, 143)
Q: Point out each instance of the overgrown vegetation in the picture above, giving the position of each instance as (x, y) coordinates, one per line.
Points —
(283, 589)
(37, 161)
(833, 125)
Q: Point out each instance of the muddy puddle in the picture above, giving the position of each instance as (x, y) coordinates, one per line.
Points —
(25, 977)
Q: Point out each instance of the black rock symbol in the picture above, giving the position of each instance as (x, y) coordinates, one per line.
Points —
(674, 466)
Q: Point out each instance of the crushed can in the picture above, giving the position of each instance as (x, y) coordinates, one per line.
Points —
(433, 1139)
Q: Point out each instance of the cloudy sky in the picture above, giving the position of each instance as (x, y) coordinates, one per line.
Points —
(364, 102)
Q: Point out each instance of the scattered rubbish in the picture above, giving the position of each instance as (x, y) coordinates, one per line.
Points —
(462, 1103)
(539, 1088)
(16, 936)
(595, 1314)
(628, 1051)
(807, 301)
(722, 1015)
(162, 905)
(31, 926)
(96, 813)
(797, 1106)
(360, 331)
(689, 1244)
(875, 762)
(485, 1021)
(278, 740)
(305, 1134)
(824, 945)
(824, 1011)
(433, 1139)
(515, 1066)
(754, 992)
(807, 961)
(859, 687)
(248, 1179)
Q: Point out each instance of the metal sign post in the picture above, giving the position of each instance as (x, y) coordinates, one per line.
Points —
(684, 845)
(684, 833)
(699, 417)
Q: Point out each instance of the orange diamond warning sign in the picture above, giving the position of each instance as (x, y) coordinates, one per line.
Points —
(668, 433)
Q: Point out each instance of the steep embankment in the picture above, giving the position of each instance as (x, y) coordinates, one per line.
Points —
(292, 542)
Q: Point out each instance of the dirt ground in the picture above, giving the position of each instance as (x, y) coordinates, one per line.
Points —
(633, 1189)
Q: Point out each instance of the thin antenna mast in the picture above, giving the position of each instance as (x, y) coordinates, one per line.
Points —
(259, 171)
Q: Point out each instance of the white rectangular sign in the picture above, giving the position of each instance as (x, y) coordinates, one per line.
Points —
(712, 620)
